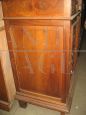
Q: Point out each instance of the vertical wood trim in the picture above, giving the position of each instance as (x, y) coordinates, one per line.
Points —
(6, 67)
(67, 40)
(67, 8)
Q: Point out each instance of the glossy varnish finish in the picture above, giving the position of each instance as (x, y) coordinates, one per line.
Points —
(41, 42)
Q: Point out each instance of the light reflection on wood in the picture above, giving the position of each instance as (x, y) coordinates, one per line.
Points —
(12, 37)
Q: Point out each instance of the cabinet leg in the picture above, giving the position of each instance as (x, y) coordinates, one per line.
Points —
(62, 113)
(22, 104)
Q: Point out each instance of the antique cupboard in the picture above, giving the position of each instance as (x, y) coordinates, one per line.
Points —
(43, 39)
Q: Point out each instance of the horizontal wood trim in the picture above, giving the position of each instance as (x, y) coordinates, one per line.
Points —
(5, 106)
(41, 96)
(54, 105)
(36, 22)
(37, 18)
(43, 18)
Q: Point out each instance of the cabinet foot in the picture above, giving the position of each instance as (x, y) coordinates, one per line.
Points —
(22, 104)
(62, 113)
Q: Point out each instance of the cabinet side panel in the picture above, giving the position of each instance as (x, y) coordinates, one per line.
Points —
(38, 55)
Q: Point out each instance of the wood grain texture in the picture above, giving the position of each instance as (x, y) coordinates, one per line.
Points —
(40, 8)
(7, 93)
(5, 105)
(37, 58)
(41, 36)
(33, 8)
(3, 93)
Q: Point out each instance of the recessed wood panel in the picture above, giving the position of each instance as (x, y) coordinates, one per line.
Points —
(38, 52)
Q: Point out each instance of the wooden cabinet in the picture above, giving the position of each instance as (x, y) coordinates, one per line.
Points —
(3, 91)
(42, 37)
(7, 88)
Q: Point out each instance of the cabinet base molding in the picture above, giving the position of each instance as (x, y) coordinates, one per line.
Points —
(43, 102)
(5, 106)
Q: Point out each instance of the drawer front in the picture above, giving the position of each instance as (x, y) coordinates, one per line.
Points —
(33, 8)
(38, 54)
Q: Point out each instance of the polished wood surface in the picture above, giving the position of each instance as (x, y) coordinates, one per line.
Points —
(3, 93)
(42, 36)
(40, 8)
(7, 93)
(37, 59)
(33, 8)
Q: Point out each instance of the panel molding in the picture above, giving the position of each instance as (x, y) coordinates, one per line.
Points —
(50, 104)
(5, 106)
